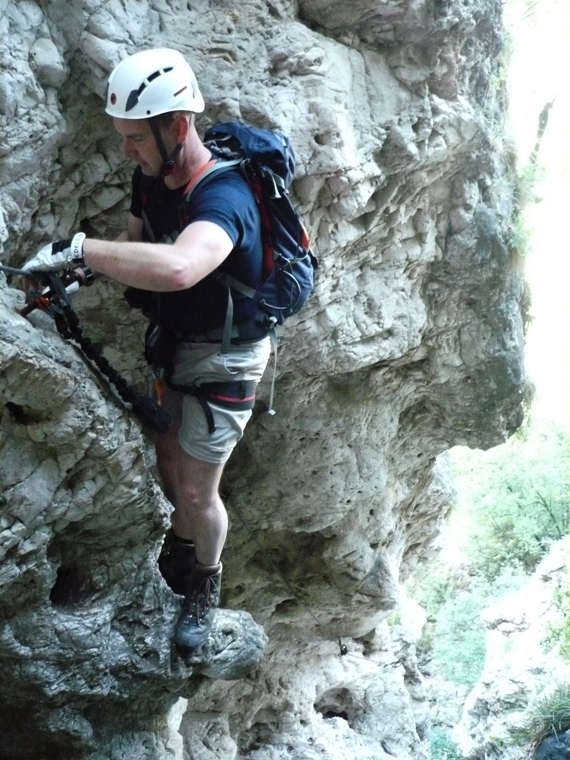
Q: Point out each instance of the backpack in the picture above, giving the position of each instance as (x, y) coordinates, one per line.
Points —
(267, 161)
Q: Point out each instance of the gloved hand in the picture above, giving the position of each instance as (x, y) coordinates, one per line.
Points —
(59, 255)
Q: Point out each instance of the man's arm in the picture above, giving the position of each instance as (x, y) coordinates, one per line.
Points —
(133, 233)
(198, 250)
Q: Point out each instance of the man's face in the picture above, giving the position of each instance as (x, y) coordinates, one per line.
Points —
(138, 143)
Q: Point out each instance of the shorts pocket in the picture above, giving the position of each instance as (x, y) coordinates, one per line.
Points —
(237, 363)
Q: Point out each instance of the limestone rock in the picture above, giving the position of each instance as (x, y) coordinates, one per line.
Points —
(412, 343)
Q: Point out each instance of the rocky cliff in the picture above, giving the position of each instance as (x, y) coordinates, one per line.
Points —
(412, 343)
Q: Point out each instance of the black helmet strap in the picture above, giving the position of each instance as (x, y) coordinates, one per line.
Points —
(169, 161)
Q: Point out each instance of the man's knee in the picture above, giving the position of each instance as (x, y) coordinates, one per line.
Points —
(196, 499)
(198, 482)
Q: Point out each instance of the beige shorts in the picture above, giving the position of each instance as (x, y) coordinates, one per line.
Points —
(197, 363)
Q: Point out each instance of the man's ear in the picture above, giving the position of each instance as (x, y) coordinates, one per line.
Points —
(182, 127)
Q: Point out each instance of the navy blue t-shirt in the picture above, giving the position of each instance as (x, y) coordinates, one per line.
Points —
(226, 200)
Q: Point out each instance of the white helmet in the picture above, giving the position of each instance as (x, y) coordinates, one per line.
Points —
(150, 83)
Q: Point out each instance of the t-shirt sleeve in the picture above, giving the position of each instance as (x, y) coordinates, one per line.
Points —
(227, 201)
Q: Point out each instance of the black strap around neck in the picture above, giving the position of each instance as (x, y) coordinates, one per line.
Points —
(168, 161)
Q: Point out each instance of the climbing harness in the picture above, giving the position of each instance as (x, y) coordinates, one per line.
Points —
(236, 395)
(53, 298)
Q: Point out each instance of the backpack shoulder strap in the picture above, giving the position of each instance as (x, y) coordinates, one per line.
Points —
(212, 166)
(206, 171)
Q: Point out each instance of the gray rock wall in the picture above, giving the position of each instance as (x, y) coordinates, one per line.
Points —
(411, 344)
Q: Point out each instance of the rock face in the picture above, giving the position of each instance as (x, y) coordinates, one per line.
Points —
(411, 344)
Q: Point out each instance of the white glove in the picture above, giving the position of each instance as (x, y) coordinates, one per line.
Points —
(62, 254)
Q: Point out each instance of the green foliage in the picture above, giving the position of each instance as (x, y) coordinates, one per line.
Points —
(513, 501)
(516, 500)
(559, 631)
(454, 635)
(549, 715)
(442, 746)
(432, 590)
(521, 235)
(394, 618)
(527, 181)
(525, 192)
(458, 638)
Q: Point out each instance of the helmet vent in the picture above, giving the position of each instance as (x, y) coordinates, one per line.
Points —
(134, 95)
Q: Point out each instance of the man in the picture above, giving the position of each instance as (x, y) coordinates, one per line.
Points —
(169, 256)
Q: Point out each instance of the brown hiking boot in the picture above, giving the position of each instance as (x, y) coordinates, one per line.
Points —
(199, 608)
(176, 562)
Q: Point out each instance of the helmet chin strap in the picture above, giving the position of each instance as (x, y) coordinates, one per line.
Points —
(169, 161)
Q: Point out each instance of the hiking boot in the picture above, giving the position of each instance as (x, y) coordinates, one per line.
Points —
(197, 615)
(176, 562)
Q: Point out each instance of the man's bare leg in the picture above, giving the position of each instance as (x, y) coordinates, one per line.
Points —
(192, 569)
(167, 447)
(199, 513)
(191, 486)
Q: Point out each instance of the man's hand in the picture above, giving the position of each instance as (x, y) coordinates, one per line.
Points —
(60, 255)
